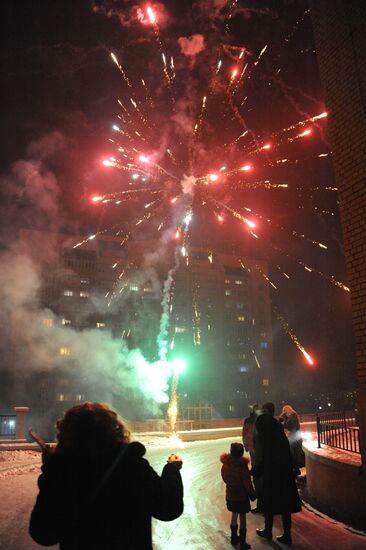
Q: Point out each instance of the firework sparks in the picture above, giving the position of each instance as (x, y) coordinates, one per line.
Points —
(295, 339)
(155, 118)
(151, 15)
(115, 60)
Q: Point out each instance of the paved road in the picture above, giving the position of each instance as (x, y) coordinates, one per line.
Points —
(204, 524)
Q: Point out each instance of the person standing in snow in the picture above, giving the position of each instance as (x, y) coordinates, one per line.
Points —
(248, 442)
(274, 466)
(290, 421)
(239, 490)
(96, 491)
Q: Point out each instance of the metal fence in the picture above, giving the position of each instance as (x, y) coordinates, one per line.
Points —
(7, 425)
(339, 430)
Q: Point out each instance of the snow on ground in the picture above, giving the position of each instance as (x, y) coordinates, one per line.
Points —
(204, 524)
(17, 462)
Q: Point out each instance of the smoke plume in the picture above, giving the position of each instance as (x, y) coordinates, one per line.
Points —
(98, 362)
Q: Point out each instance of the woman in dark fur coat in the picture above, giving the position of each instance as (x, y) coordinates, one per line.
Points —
(96, 491)
(274, 466)
(239, 489)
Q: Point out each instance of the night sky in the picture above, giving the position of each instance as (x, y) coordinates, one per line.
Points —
(59, 90)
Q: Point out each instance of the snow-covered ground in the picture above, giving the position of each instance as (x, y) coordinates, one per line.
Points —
(14, 462)
(204, 524)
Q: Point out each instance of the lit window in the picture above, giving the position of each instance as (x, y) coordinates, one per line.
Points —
(48, 323)
(65, 351)
(263, 334)
(243, 369)
(67, 292)
(265, 382)
(84, 294)
(238, 282)
(100, 325)
(208, 327)
(242, 356)
(65, 322)
(180, 329)
(134, 288)
(231, 408)
(227, 281)
(241, 318)
(264, 345)
(60, 397)
(79, 397)
(147, 289)
(227, 292)
(84, 281)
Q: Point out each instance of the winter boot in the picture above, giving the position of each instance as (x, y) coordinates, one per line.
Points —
(234, 534)
(285, 539)
(242, 536)
(264, 534)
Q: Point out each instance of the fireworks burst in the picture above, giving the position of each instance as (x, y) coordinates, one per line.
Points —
(186, 143)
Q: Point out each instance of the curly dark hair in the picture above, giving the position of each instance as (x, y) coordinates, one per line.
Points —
(91, 428)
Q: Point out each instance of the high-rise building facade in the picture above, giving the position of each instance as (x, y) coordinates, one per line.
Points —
(218, 308)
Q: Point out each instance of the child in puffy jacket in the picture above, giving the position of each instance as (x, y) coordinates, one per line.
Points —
(239, 490)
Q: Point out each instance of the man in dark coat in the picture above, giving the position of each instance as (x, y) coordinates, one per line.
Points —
(274, 465)
(102, 499)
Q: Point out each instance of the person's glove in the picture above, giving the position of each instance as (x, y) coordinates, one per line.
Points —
(176, 460)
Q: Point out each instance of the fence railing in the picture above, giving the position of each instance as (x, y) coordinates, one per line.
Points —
(7, 425)
(184, 425)
(339, 430)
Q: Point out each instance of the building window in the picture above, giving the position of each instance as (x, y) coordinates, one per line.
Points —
(134, 288)
(180, 329)
(263, 334)
(84, 294)
(227, 281)
(242, 356)
(239, 306)
(241, 318)
(65, 322)
(238, 282)
(68, 292)
(265, 382)
(147, 289)
(264, 345)
(60, 397)
(84, 281)
(243, 369)
(100, 325)
(48, 323)
(65, 351)
(231, 408)
(227, 292)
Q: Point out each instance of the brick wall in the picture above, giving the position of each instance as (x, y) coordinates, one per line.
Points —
(340, 38)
